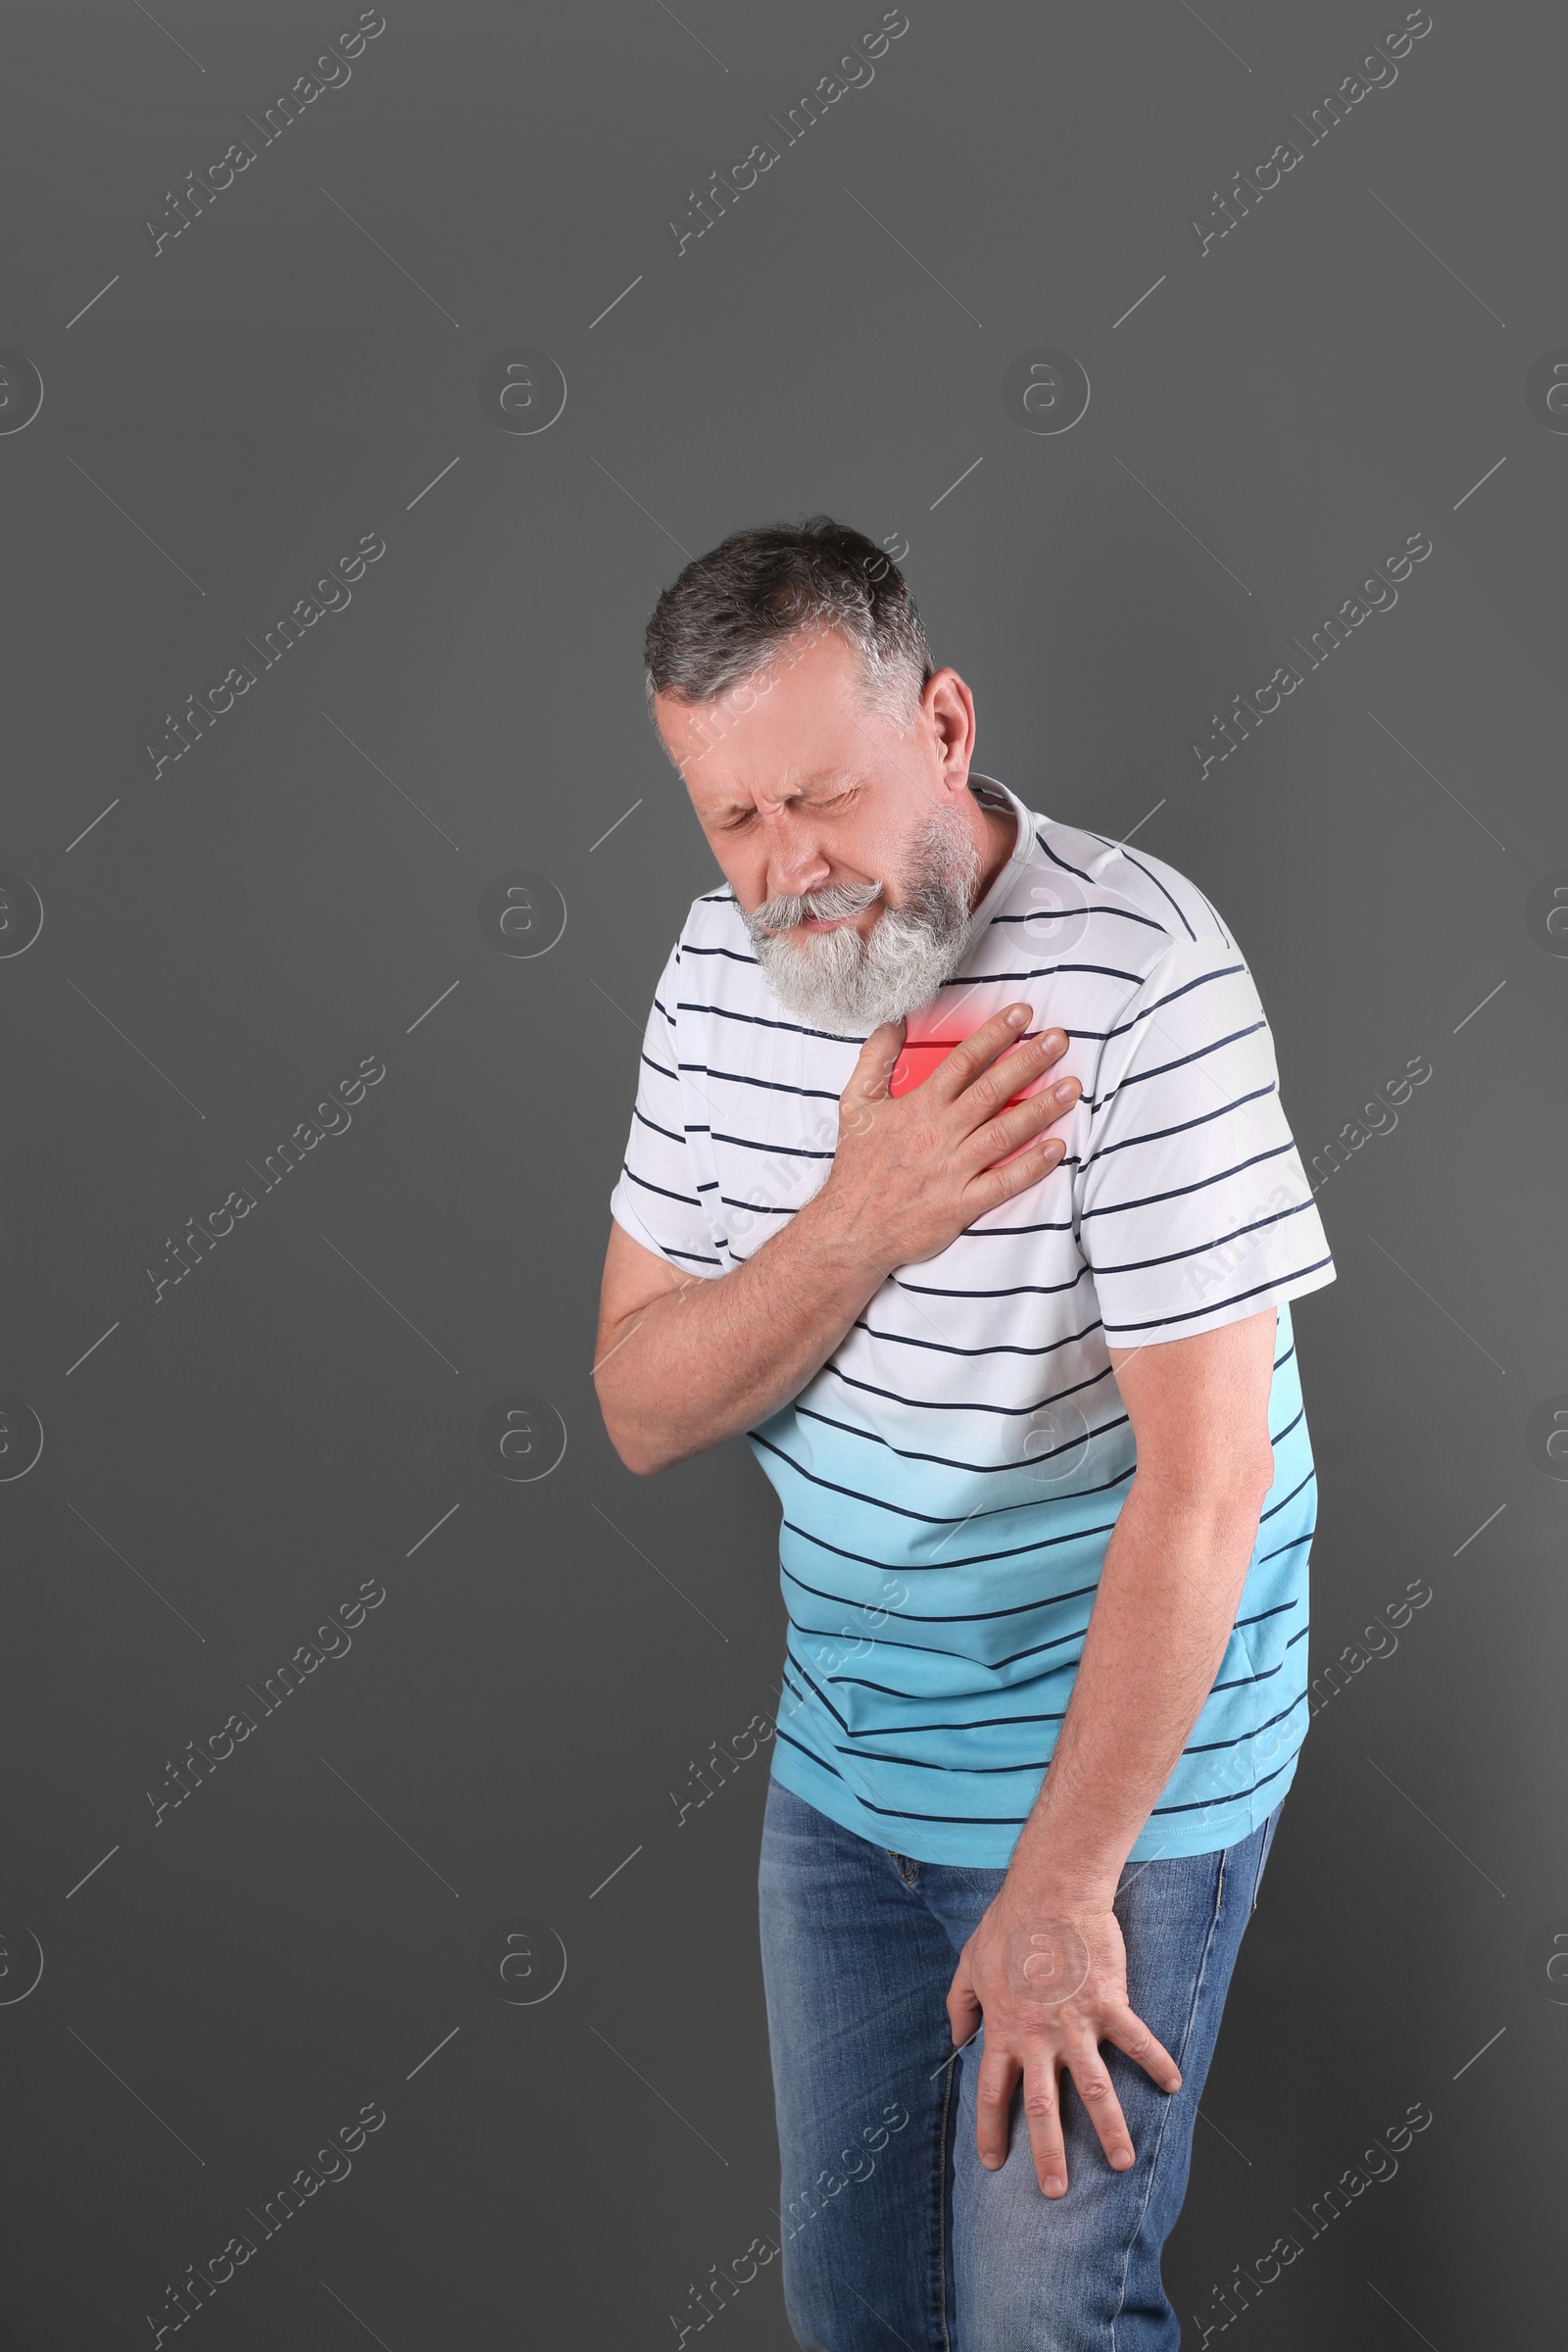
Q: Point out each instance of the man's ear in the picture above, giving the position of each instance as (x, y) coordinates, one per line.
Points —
(947, 707)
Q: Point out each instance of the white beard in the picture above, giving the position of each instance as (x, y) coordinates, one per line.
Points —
(836, 979)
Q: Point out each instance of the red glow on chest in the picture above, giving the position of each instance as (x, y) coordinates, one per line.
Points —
(920, 1056)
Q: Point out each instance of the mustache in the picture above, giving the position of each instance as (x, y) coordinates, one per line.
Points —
(830, 906)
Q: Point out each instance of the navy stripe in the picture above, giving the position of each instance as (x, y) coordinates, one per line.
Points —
(875, 1755)
(1020, 1608)
(685, 1198)
(1120, 1028)
(1076, 870)
(1006, 1821)
(756, 1020)
(934, 1405)
(1152, 877)
(658, 1130)
(933, 1649)
(979, 1469)
(981, 1723)
(780, 1150)
(1042, 914)
(1210, 1804)
(1290, 1497)
(1157, 1135)
(1280, 1608)
(1163, 1069)
(1280, 1549)
(971, 1559)
(1006, 1233)
(1224, 971)
(1245, 1682)
(775, 1086)
(970, 981)
(1176, 1192)
(999, 1348)
(815, 1686)
(1277, 1282)
(1016, 1289)
(1217, 1240)
(1298, 1416)
(926, 1518)
(1218, 925)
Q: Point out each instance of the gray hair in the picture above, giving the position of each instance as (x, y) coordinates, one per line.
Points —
(732, 610)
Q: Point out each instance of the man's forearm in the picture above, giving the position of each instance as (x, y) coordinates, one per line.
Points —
(1168, 1593)
(685, 1368)
(711, 1358)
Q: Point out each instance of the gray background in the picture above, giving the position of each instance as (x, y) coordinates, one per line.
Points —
(226, 1983)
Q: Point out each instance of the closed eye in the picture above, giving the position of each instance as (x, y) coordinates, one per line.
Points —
(829, 803)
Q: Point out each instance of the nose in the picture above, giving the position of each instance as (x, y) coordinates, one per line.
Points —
(796, 863)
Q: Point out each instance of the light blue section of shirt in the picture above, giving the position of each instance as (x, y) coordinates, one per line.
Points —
(929, 1600)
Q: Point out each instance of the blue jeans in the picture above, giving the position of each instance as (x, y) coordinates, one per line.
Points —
(890, 2229)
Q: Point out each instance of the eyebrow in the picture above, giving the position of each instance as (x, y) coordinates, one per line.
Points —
(794, 782)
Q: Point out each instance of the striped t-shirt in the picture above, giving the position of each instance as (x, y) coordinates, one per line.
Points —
(950, 1478)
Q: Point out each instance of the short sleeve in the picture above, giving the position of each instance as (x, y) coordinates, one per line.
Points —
(1193, 1208)
(656, 1199)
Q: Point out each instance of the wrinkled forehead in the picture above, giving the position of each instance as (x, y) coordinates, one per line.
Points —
(788, 726)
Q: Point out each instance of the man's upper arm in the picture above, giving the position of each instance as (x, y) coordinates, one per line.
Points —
(1198, 1407)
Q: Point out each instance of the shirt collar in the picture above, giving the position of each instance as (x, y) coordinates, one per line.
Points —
(996, 796)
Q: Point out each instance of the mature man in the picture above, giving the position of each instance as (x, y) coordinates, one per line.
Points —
(959, 1181)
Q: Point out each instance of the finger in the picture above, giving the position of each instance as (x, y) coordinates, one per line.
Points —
(992, 2103)
(1130, 2034)
(1042, 2110)
(1020, 1123)
(1092, 2079)
(1008, 1073)
(963, 2004)
(993, 1186)
(956, 1070)
(873, 1068)
(870, 1079)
